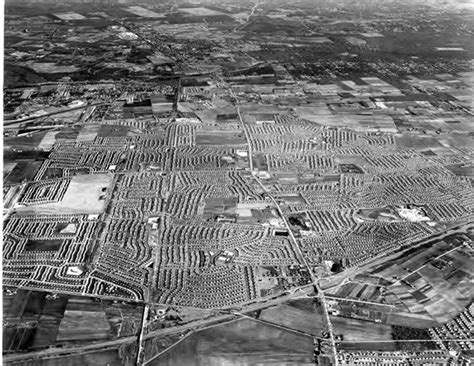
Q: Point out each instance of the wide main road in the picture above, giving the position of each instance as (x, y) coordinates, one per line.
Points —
(320, 293)
(295, 243)
(242, 123)
(20, 121)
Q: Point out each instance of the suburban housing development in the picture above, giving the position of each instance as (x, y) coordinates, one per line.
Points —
(234, 182)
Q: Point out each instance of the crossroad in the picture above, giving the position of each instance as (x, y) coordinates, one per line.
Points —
(314, 279)
(295, 243)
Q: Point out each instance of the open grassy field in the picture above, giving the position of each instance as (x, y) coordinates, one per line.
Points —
(367, 346)
(49, 245)
(156, 345)
(48, 140)
(101, 358)
(319, 114)
(83, 325)
(67, 134)
(386, 214)
(23, 170)
(259, 162)
(46, 332)
(303, 317)
(114, 131)
(8, 167)
(88, 133)
(415, 141)
(243, 342)
(219, 206)
(356, 330)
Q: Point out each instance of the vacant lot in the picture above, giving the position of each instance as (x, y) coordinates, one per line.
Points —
(219, 206)
(84, 195)
(48, 245)
(385, 214)
(88, 133)
(220, 138)
(29, 141)
(48, 140)
(113, 131)
(67, 133)
(7, 168)
(260, 162)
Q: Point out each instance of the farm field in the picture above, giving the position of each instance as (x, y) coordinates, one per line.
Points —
(200, 11)
(23, 170)
(63, 320)
(101, 358)
(240, 342)
(304, 316)
(355, 330)
(299, 315)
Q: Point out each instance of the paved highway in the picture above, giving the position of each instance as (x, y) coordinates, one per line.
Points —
(295, 242)
(26, 119)
(242, 123)
(320, 293)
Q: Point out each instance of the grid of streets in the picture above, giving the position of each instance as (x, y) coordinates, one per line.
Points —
(212, 177)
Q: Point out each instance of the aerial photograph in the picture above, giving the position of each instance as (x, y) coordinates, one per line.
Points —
(238, 182)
